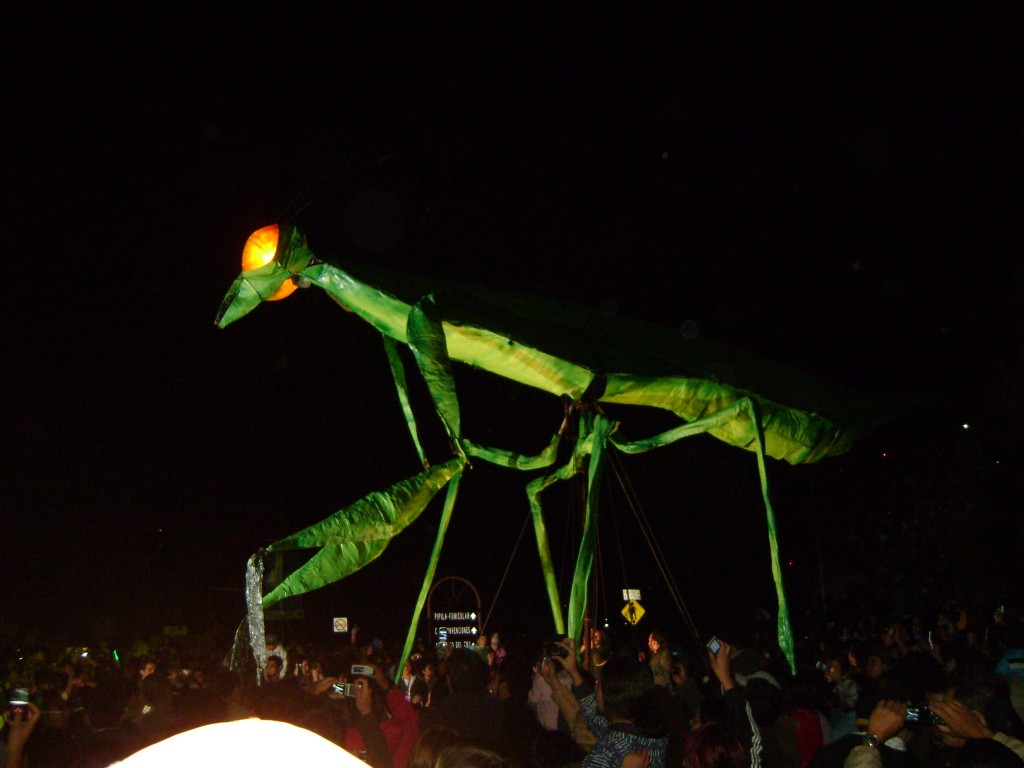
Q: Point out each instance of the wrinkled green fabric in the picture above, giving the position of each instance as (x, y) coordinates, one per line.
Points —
(533, 491)
(597, 440)
(356, 535)
(566, 350)
(512, 460)
(398, 374)
(428, 345)
(784, 631)
(560, 347)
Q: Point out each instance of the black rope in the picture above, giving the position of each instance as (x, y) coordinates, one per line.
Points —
(652, 543)
(508, 567)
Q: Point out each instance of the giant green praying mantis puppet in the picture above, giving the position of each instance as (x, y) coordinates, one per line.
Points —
(566, 350)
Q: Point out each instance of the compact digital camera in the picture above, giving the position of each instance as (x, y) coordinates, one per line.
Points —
(923, 715)
(552, 649)
(345, 689)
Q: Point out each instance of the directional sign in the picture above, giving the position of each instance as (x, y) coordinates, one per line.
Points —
(456, 629)
(340, 624)
(633, 612)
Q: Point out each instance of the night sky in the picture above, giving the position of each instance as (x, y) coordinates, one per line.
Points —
(838, 193)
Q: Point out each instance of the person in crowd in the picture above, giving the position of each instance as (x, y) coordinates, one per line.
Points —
(272, 671)
(430, 744)
(732, 710)
(430, 679)
(540, 695)
(499, 650)
(495, 685)
(158, 719)
(397, 718)
(623, 714)
(367, 739)
(274, 648)
(469, 756)
(660, 658)
(882, 743)
(978, 709)
(568, 706)
(596, 651)
(683, 677)
(411, 683)
(845, 694)
(712, 746)
(483, 645)
(524, 740)
(108, 737)
(804, 706)
(468, 709)
(51, 745)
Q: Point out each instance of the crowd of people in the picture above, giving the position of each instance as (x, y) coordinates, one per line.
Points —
(928, 691)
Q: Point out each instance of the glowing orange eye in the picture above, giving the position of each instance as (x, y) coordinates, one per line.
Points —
(260, 249)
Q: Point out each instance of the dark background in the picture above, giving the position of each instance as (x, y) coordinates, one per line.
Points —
(839, 192)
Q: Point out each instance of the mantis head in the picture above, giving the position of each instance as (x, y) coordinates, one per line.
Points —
(272, 262)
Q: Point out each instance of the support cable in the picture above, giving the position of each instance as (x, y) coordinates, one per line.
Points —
(653, 545)
(508, 567)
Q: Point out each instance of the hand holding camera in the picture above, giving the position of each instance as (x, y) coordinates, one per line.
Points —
(886, 720)
(21, 718)
(719, 652)
(960, 721)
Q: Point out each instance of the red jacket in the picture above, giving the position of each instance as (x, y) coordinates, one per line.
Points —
(401, 730)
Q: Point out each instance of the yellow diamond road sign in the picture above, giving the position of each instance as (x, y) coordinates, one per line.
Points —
(633, 611)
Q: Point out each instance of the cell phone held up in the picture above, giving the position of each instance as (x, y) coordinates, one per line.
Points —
(18, 702)
(714, 645)
(19, 698)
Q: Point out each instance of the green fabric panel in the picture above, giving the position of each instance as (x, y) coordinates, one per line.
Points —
(558, 347)
(533, 491)
(428, 579)
(784, 630)
(789, 433)
(355, 536)
(472, 345)
(398, 374)
(252, 287)
(602, 427)
(685, 430)
(427, 341)
(330, 564)
(378, 515)
(603, 342)
(248, 291)
(512, 460)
